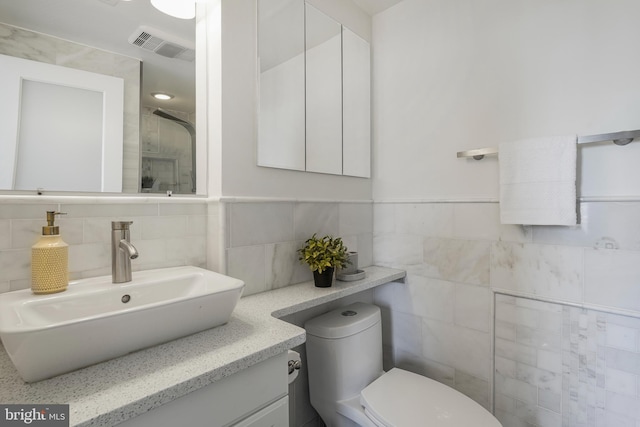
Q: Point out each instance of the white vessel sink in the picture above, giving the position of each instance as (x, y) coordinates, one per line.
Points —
(96, 320)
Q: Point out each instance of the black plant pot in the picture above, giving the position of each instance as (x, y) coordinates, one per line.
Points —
(324, 279)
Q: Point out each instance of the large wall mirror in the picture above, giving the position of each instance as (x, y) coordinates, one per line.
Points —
(129, 42)
(314, 110)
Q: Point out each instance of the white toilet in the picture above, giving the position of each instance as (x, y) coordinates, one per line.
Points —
(349, 388)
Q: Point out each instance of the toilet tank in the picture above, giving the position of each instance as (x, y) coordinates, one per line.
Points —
(344, 354)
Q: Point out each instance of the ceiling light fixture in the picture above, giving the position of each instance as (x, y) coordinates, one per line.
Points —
(162, 96)
(183, 9)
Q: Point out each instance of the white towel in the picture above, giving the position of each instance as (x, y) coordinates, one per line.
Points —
(538, 181)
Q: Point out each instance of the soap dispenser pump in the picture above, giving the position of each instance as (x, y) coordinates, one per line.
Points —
(50, 260)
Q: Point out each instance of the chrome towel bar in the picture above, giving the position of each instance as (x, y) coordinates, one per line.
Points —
(618, 138)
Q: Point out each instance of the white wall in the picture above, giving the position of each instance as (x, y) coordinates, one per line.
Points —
(463, 74)
(451, 75)
(241, 177)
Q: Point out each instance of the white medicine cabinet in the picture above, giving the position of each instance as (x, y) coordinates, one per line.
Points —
(314, 110)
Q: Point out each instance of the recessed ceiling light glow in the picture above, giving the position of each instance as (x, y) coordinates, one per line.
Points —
(183, 9)
(162, 96)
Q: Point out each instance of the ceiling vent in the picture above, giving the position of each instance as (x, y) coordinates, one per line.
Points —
(163, 44)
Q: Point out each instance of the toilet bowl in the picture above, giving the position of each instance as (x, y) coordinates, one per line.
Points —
(348, 387)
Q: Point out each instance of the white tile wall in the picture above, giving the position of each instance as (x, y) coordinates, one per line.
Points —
(458, 255)
(166, 233)
(264, 238)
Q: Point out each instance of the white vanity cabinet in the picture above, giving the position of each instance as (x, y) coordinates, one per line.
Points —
(254, 397)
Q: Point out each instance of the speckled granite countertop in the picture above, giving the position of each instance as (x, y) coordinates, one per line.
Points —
(111, 392)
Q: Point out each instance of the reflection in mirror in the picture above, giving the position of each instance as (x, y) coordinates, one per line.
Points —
(148, 50)
(323, 92)
(169, 158)
(38, 150)
(281, 115)
(356, 75)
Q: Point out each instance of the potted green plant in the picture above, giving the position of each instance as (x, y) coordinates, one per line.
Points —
(323, 255)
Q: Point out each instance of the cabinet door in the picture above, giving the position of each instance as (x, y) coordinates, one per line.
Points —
(274, 415)
(356, 116)
(281, 71)
(323, 92)
(226, 401)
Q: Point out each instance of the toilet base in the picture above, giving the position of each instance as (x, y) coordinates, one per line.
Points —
(353, 413)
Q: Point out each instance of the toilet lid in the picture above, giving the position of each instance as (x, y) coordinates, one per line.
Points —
(403, 399)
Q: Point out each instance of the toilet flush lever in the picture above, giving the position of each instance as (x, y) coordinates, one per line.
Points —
(293, 365)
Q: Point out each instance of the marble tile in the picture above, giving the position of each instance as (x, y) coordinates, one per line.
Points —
(365, 249)
(609, 419)
(505, 403)
(545, 340)
(247, 263)
(462, 348)
(163, 227)
(612, 278)
(475, 388)
(25, 232)
(516, 352)
(319, 218)
(196, 225)
(550, 400)
(260, 223)
(404, 333)
(538, 416)
(549, 361)
(398, 250)
(421, 296)
(604, 225)
(90, 256)
(505, 367)
(150, 252)
(540, 378)
(482, 221)
(621, 337)
(71, 230)
(355, 218)
(383, 218)
(26, 210)
(505, 330)
(15, 264)
(621, 382)
(427, 367)
(189, 250)
(623, 360)
(550, 271)
(424, 219)
(521, 316)
(283, 267)
(628, 406)
(463, 261)
(109, 210)
(191, 209)
(5, 234)
(473, 307)
(520, 390)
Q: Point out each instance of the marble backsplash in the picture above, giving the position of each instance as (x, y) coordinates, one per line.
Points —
(166, 233)
(262, 238)
(458, 256)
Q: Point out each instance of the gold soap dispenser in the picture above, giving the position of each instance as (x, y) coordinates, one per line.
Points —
(50, 259)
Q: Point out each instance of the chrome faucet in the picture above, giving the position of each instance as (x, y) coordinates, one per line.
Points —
(122, 251)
